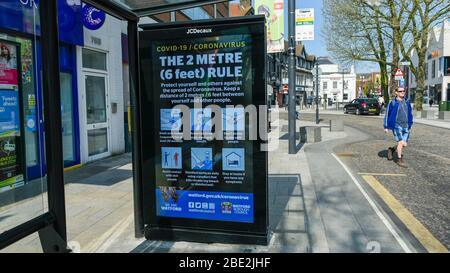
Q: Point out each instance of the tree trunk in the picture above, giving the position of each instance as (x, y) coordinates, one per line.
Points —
(395, 56)
(420, 80)
(384, 82)
(421, 56)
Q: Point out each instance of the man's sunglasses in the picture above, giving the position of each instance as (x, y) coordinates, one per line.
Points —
(401, 91)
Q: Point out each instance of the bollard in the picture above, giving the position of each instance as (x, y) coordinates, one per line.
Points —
(310, 134)
(336, 125)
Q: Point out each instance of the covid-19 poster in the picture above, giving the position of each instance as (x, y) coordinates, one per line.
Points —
(10, 130)
(202, 80)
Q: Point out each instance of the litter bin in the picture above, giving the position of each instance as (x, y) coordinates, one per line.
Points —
(444, 106)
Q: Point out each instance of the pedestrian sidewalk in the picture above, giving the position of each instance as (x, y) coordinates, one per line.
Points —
(99, 202)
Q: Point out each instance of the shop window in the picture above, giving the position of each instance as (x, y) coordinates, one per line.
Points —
(67, 117)
(447, 66)
(325, 85)
(94, 59)
(448, 92)
(433, 69)
(21, 196)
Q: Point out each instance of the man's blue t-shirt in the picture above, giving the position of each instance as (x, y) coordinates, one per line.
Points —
(402, 114)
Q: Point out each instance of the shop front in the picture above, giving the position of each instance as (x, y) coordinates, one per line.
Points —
(21, 44)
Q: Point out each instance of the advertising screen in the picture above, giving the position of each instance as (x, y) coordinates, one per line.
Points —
(204, 81)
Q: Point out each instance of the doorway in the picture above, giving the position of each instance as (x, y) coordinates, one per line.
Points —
(97, 116)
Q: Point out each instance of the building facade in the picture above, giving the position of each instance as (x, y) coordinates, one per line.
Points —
(20, 35)
(368, 84)
(437, 69)
(278, 80)
(336, 85)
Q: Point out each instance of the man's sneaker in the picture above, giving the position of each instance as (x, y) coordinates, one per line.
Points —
(401, 163)
(390, 152)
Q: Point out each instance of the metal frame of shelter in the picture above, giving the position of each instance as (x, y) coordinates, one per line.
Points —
(51, 225)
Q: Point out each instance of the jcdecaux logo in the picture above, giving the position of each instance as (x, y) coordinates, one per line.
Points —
(196, 30)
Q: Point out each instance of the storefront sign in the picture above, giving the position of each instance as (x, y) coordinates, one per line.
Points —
(23, 16)
(29, 3)
(205, 172)
(92, 17)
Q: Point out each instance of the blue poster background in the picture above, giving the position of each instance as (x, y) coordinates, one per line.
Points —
(221, 206)
(9, 112)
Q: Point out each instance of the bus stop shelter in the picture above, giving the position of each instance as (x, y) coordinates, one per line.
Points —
(52, 224)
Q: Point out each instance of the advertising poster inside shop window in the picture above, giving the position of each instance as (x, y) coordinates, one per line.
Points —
(11, 174)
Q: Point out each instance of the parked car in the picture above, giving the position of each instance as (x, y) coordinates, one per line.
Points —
(363, 106)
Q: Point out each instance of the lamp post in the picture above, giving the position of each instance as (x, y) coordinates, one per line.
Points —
(291, 74)
(317, 93)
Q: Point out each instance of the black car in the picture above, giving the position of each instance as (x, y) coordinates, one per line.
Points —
(363, 106)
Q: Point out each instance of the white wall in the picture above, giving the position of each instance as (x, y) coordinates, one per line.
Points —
(329, 74)
(106, 39)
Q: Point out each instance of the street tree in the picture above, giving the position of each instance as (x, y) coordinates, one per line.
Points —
(354, 32)
(411, 22)
(396, 16)
(427, 15)
(399, 27)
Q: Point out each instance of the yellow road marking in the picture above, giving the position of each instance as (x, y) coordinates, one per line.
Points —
(417, 229)
(383, 174)
(72, 167)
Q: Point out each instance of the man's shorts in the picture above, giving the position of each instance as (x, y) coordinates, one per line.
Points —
(401, 134)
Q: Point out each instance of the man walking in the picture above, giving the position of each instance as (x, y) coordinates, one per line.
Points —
(399, 119)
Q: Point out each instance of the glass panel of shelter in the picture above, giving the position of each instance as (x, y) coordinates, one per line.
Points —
(22, 177)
